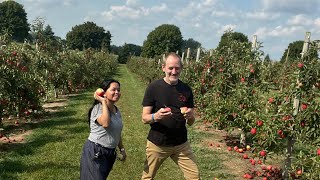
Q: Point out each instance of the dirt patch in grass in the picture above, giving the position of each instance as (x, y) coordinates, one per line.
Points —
(235, 162)
(16, 129)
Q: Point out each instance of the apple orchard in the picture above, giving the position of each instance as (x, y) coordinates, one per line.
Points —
(276, 106)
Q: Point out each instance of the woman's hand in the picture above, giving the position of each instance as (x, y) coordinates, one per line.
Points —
(122, 155)
(99, 98)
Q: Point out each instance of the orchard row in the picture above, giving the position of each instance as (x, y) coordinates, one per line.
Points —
(276, 105)
(29, 76)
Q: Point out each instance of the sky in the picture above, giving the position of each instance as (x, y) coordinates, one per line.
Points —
(276, 23)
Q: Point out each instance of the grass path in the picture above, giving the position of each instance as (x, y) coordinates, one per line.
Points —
(53, 149)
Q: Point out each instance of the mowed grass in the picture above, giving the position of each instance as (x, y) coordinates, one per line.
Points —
(53, 149)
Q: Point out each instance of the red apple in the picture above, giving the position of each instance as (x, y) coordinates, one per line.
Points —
(259, 161)
(304, 106)
(271, 100)
(252, 70)
(167, 109)
(300, 65)
(263, 153)
(299, 172)
(230, 148)
(245, 156)
(27, 113)
(259, 123)
(253, 131)
(14, 53)
(100, 92)
(318, 152)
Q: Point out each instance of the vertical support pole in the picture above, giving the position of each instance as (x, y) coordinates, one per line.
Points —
(198, 55)
(188, 56)
(182, 57)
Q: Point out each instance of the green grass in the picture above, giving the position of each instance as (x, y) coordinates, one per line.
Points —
(54, 148)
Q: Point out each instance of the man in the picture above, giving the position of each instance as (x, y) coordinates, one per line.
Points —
(167, 107)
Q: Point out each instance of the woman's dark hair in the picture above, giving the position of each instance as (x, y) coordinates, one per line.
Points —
(104, 85)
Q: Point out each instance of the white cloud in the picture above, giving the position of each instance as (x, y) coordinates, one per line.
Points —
(300, 19)
(223, 14)
(130, 12)
(279, 31)
(291, 6)
(262, 15)
(131, 2)
(317, 22)
(227, 27)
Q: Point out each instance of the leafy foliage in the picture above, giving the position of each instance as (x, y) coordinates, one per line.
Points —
(295, 49)
(128, 50)
(13, 20)
(228, 37)
(164, 38)
(88, 35)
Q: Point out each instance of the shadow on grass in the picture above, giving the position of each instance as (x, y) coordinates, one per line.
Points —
(48, 131)
(10, 168)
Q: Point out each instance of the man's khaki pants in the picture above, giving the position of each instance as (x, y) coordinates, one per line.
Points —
(182, 155)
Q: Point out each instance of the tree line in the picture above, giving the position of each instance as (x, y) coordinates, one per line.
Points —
(164, 38)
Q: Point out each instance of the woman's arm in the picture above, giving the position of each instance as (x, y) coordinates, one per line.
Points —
(104, 119)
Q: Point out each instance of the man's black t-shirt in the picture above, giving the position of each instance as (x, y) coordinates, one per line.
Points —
(171, 131)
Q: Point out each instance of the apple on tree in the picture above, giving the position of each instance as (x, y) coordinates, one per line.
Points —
(100, 92)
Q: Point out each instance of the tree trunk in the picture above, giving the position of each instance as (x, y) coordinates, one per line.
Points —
(287, 163)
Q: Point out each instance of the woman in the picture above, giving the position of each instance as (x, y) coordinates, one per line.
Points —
(99, 151)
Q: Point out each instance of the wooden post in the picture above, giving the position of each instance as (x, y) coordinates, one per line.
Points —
(182, 57)
(254, 42)
(296, 105)
(306, 44)
(287, 55)
(188, 55)
(211, 52)
(198, 55)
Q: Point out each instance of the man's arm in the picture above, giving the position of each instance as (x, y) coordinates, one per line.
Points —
(189, 115)
(149, 118)
(146, 115)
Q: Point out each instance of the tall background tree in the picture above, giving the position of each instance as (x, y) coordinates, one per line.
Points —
(193, 45)
(88, 35)
(13, 20)
(128, 50)
(44, 37)
(295, 49)
(229, 36)
(164, 38)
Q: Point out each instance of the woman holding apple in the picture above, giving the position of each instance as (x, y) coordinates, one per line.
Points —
(105, 121)
(168, 107)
